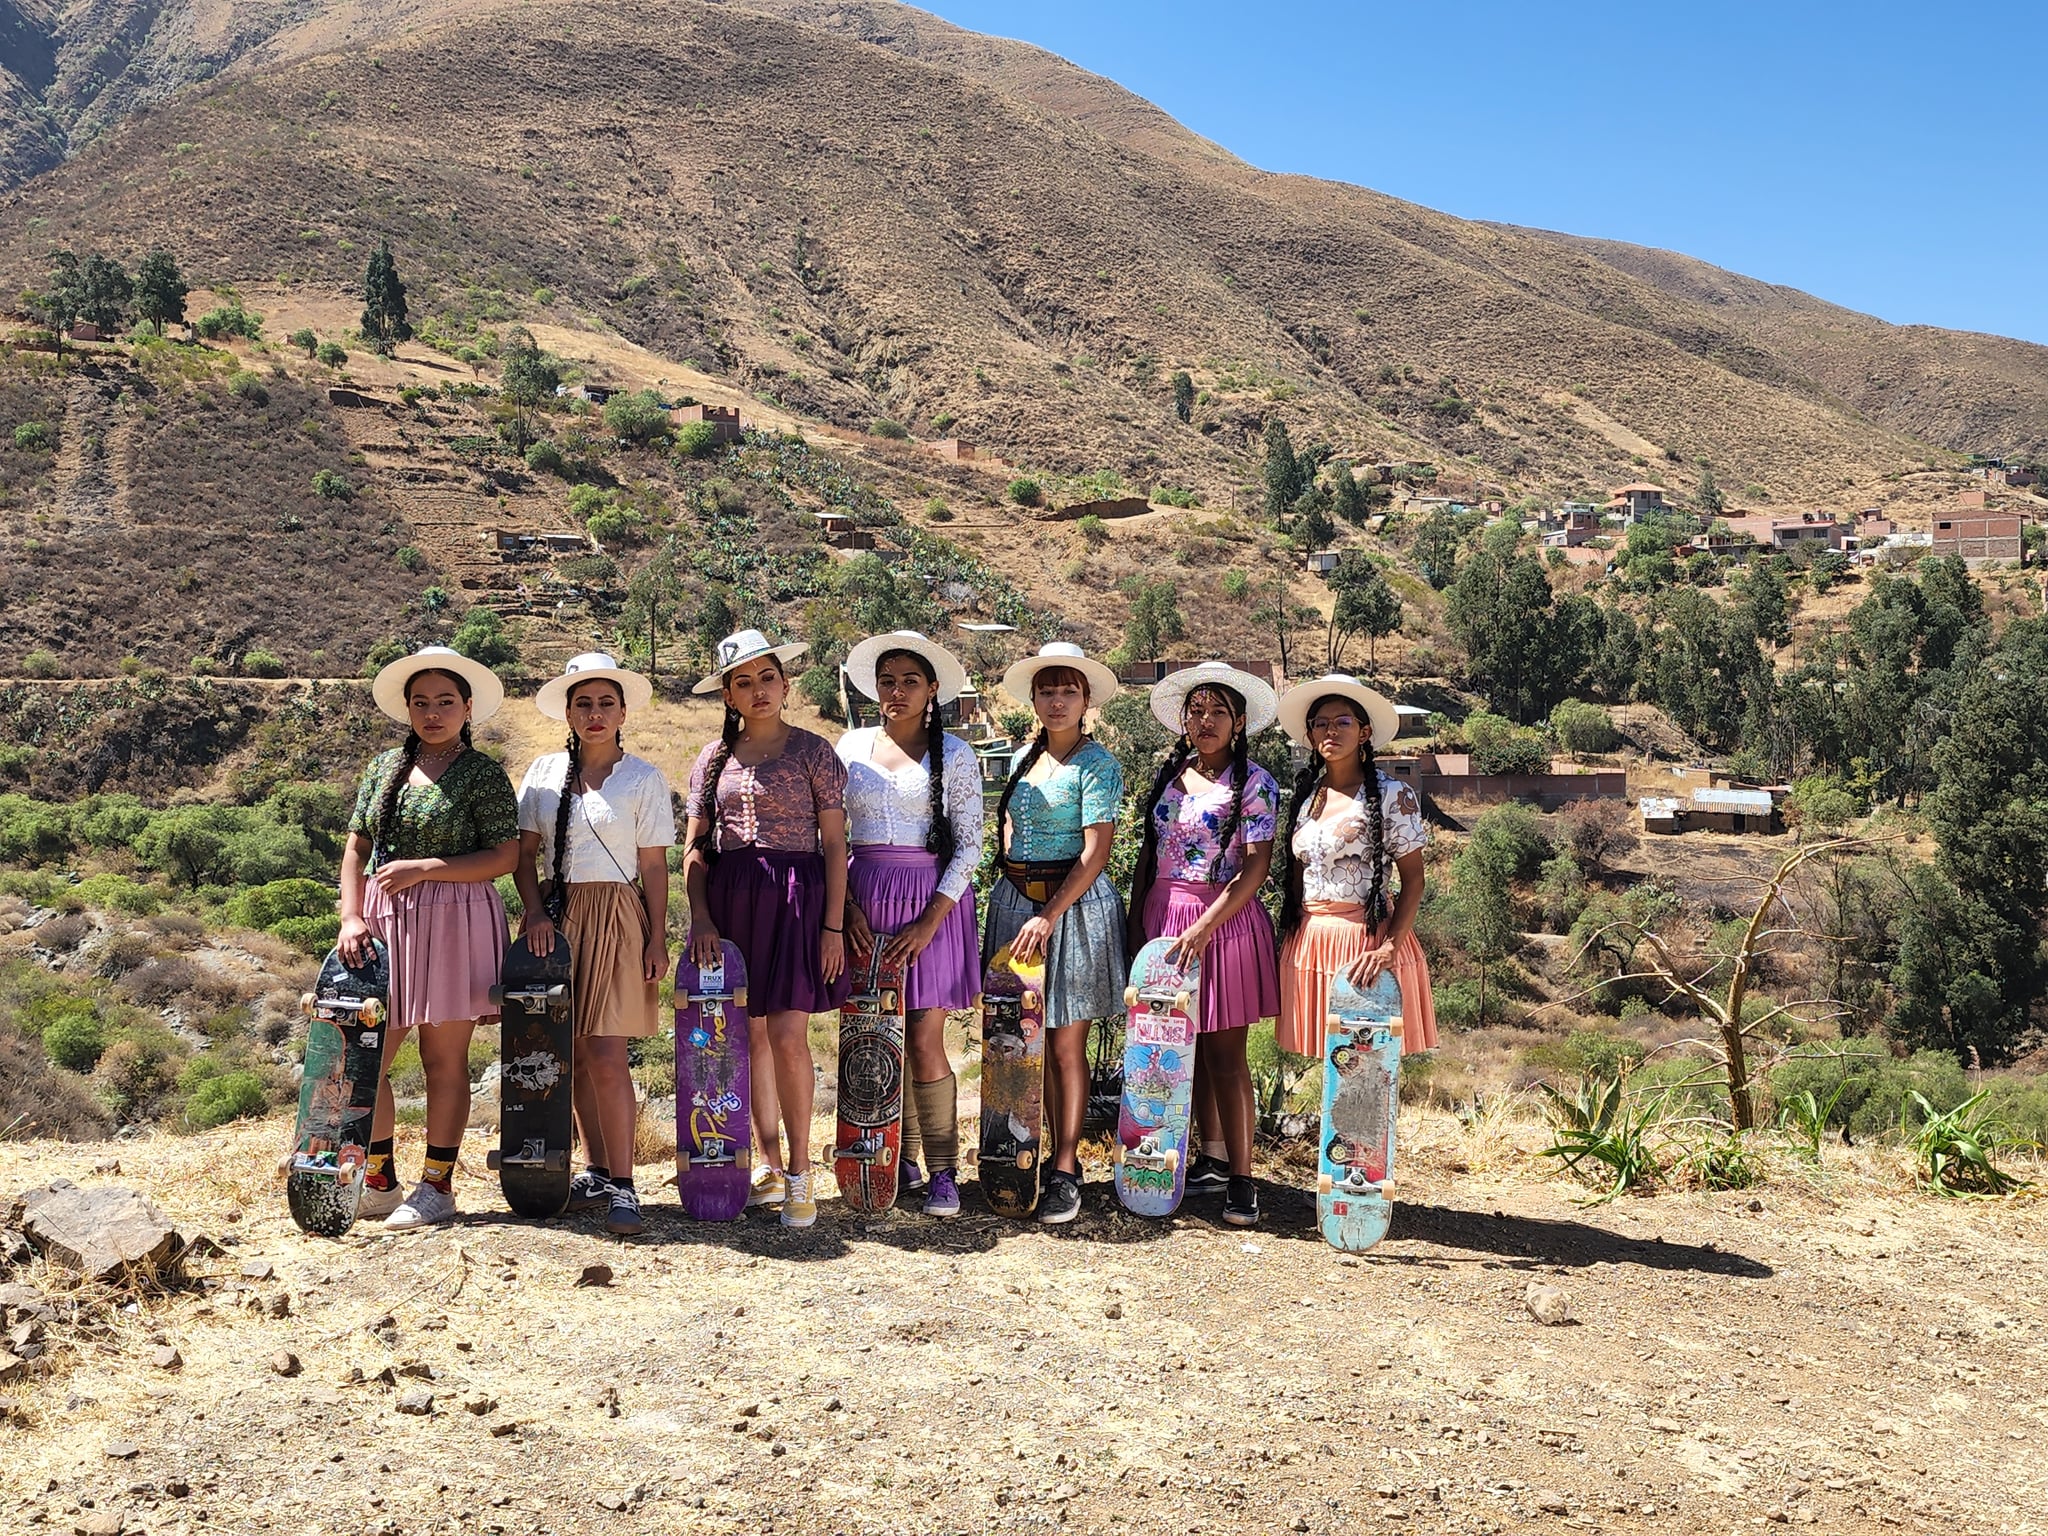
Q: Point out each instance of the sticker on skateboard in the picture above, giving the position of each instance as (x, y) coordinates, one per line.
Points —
(346, 1014)
(1151, 1144)
(714, 1091)
(867, 1150)
(1361, 1097)
(1012, 1084)
(537, 1038)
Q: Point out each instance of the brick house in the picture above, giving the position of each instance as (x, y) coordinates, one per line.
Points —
(1637, 501)
(1987, 536)
(724, 420)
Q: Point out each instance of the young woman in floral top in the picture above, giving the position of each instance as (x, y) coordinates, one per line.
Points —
(767, 869)
(435, 824)
(1208, 848)
(1345, 826)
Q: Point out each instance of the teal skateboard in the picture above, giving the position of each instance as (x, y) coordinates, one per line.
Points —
(1361, 1090)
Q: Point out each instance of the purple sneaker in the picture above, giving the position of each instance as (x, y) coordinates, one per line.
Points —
(910, 1180)
(943, 1197)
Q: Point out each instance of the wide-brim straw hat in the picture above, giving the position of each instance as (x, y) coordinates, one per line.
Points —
(1102, 684)
(486, 693)
(1170, 696)
(1297, 701)
(862, 660)
(553, 698)
(736, 650)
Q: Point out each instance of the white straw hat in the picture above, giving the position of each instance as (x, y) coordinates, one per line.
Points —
(862, 660)
(486, 693)
(736, 650)
(553, 698)
(1102, 684)
(1297, 701)
(1170, 696)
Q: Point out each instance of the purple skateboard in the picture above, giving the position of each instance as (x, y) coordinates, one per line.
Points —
(714, 1092)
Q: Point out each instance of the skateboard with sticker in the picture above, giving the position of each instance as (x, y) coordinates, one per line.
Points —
(714, 1088)
(346, 1013)
(536, 1120)
(1151, 1145)
(1012, 1084)
(867, 1151)
(1361, 1093)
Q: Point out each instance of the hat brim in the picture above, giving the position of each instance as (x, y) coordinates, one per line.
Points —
(1102, 683)
(862, 660)
(486, 692)
(1300, 699)
(784, 654)
(1170, 696)
(553, 698)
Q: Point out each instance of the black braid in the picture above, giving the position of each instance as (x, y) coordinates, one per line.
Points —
(728, 738)
(1376, 901)
(939, 840)
(558, 893)
(1240, 766)
(1010, 788)
(1171, 766)
(1305, 786)
(386, 843)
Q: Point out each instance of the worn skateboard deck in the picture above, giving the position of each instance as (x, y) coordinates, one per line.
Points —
(346, 1014)
(1361, 1092)
(714, 1088)
(536, 1123)
(1151, 1145)
(867, 1151)
(1012, 1084)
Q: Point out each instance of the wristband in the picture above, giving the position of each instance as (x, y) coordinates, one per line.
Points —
(830, 929)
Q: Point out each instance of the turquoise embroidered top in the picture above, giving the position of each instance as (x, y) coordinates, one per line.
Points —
(1046, 819)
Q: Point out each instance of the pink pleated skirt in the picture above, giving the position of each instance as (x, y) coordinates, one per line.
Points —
(1329, 939)
(447, 942)
(1240, 978)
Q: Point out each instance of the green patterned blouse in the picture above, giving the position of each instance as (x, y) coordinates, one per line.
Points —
(471, 807)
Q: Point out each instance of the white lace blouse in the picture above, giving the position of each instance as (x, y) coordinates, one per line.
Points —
(1337, 855)
(895, 808)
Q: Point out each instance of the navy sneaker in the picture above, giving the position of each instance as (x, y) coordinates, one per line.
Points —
(1061, 1201)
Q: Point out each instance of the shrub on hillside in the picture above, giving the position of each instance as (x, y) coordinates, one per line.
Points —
(265, 906)
(76, 1041)
(638, 416)
(311, 936)
(34, 437)
(409, 558)
(117, 893)
(544, 458)
(696, 439)
(332, 486)
(40, 663)
(261, 663)
(1581, 727)
(227, 320)
(244, 385)
(882, 426)
(230, 1096)
(304, 339)
(200, 845)
(32, 832)
(1026, 492)
(331, 354)
(139, 1070)
(481, 636)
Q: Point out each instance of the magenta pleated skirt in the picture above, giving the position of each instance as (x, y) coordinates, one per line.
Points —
(893, 887)
(446, 940)
(1240, 968)
(772, 905)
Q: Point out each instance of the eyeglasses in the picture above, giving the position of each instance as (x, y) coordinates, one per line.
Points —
(1328, 723)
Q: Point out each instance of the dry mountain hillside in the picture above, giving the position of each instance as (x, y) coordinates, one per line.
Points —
(859, 211)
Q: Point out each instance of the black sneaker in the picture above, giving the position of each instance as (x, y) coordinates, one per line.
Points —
(1241, 1203)
(1061, 1201)
(1208, 1176)
(589, 1190)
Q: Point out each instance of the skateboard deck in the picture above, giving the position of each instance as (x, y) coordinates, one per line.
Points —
(536, 1124)
(1012, 1084)
(1151, 1145)
(346, 1014)
(867, 1150)
(1361, 1091)
(714, 1088)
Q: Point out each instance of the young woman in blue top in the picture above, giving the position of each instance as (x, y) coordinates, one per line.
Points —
(1053, 898)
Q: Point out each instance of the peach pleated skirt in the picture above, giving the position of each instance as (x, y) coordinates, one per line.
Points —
(1330, 937)
(606, 925)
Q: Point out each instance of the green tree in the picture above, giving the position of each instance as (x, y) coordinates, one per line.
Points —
(653, 596)
(160, 290)
(1764, 594)
(637, 416)
(715, 620)
(1349, 500)
(1183, 395)
(1313, 529)
(1154, 620)
(1435, 551)
(1581, 728)
(1283, 477)
(105, 293)
(1526, 651)
(1711, 501)
(384, 324)
(527, 381)
(481, 636)
(58, 303)
(1482, 896)
(1362, 604)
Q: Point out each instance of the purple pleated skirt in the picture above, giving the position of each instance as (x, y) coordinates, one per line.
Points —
(1240, 968)
(893, 886)
(772, 905)
(446, 940)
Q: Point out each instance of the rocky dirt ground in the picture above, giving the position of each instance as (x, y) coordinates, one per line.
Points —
(1830, 1350)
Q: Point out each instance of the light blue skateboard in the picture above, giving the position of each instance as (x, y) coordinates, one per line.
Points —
(1150, 1149)
(1361, 1090)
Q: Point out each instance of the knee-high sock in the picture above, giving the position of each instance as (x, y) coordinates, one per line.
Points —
(913, 1130)
(938, 1117)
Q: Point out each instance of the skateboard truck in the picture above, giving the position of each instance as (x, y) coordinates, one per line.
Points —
(1391, 1026)
(368, 1011)
(535, 1154)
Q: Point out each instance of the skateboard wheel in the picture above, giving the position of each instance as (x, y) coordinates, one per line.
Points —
(306, 1004)
(740, 999)
(1324, 1184)
(1387, 1188)
(1172, 1157)
(370, 1015)
(1116, 1154)
(1180, 1002)
(494, 1159)
(1130, 997)
(497, 994)
(682, 1159)
(1333, 1023)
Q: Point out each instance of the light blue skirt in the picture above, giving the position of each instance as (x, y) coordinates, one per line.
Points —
(1085, 968)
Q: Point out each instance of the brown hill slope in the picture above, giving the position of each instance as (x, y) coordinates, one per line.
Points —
(1004, 240)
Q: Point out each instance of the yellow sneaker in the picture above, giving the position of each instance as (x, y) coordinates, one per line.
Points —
(799, 1209)
(768, 1187)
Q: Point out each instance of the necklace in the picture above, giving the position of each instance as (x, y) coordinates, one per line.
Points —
(440, 759)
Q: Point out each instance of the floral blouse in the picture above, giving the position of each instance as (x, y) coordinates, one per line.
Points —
(1046, 819)
(895, 809)
(471, 807)
(775, 804)
(1337, 855)
(1188, 826)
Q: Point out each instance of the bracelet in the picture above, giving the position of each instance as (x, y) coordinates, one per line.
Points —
(830, 929)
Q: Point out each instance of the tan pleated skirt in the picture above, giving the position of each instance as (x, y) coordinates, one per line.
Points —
(606, 926)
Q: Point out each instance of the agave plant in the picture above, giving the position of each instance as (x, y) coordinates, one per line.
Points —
(1957, 1150)
(1602, 1132)
(1803, 1118)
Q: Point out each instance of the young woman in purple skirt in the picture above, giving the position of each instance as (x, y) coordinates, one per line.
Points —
(1209, 830)
(767, 869)
(913, 806)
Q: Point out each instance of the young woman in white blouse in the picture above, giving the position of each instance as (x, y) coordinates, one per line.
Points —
(1347, 827)
(601, 822)
(913, 813)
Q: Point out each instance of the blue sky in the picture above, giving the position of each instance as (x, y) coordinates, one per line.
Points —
(1885, 156)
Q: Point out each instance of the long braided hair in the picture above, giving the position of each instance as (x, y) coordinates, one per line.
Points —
(1175, 763)
(572, 774)
(1057, 676)
(728, 738)
(1308, 786)
(384, 845)
(938, 840)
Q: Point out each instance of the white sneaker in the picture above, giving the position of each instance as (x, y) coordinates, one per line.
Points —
(379, 1202)
(799, 1209)
(428, 1205)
